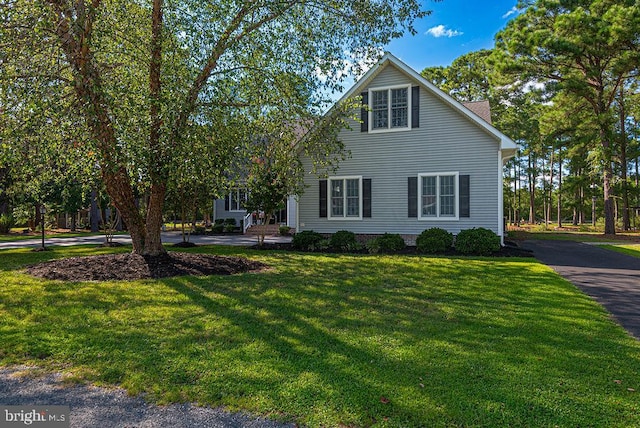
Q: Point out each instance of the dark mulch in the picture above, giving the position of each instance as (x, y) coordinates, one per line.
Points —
(129, 266)
(510, 249)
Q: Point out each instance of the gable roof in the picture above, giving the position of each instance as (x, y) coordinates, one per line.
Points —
(506, 144)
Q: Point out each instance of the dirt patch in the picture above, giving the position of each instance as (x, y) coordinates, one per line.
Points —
(129, 267)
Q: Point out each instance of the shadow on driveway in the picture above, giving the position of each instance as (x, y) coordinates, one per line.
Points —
(611, 278)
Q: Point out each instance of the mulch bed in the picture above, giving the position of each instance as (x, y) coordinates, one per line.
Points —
(130, 266)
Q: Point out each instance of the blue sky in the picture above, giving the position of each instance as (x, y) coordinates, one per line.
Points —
(454, 28)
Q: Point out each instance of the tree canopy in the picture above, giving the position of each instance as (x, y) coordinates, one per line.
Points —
(142, 81)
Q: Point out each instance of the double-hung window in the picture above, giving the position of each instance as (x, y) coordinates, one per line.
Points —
(390, 108)
(438, 196)
(345, 197)
(237, 198)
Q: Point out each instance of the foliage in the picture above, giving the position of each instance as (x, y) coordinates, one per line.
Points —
(217, 228)
(284, 230)
(589, 49)
(319, 340)
(387, 243)
(133, 88)
(6, 223)
(307, 240)
(230, 221)
(434, 241)
(477, 241)
(343, 241)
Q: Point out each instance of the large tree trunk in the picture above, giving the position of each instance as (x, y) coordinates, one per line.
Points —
(153, 244)
(609, 215)
(560, 187)
(626, 223)
(532, 192)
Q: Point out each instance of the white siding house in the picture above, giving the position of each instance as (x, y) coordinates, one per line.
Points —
(420, 159)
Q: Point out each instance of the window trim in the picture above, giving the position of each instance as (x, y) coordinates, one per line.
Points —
(456, 196)
(408, 87)
(343, 178)
(237, 191)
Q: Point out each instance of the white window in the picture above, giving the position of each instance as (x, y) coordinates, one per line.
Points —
(237, 199)
(345, 198)
(438, 196)
(390, 108)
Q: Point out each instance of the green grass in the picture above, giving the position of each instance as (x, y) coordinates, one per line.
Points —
(17, 236)
(631, 250)
(326, 340)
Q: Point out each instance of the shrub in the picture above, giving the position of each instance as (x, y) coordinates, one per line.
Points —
(217, 228)
(219, 221)
(477, 241)
(6, 223)
(228, 228)
(434, 241)
(387, 243)
(230, 221)
(307, 240)
(284, 230)
(343, 240)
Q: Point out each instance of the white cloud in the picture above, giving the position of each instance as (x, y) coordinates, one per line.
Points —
(514, 10)
(442, 31)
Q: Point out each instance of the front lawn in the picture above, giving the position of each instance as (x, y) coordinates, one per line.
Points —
(337, 340)
(631, 250)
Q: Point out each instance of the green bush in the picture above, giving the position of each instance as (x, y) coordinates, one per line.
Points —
(477, 241)
(218, 221)
(217, 228)
(343, 241)
(434, 241)
(230, 221)
(228, 228)
(307, 240)
(284, 230)
(6, 223)
(387, 243)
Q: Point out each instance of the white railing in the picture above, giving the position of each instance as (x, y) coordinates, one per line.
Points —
(247, 223)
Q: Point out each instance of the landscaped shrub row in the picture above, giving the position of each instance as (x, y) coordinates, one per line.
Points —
(476, 241)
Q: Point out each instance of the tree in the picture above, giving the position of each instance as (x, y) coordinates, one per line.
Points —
(145, 78)
(587, 47)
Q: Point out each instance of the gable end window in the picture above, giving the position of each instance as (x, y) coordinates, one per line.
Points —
(391, 109)
(438, 196)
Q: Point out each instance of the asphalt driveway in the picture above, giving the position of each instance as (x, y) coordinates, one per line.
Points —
(611, 278)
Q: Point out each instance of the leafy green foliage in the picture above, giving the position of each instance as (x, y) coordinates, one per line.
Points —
(343, 241)
(6, 223)
(434, 241)
(387, 243)
(137, 91)
(307, 240)
(477, 241)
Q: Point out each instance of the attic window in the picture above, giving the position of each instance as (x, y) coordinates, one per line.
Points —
(390, 108)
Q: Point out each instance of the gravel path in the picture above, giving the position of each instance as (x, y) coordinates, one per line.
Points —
(101, 407)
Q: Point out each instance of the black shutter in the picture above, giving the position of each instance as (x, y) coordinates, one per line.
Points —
(323, 198)
(364, 113)
(464, 197)
(227, 204)
(412, 196)
(366, 197)
(415, 107)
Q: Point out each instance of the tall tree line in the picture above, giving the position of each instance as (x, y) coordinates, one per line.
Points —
(562, 81)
